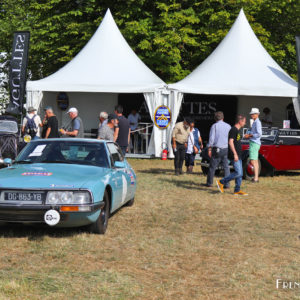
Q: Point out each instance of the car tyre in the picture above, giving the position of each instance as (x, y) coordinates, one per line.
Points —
(130, 202)
(100, 225)
(246, 174)
(204, 169)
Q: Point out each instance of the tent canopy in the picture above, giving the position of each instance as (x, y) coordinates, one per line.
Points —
(106, 64)
(239, 66)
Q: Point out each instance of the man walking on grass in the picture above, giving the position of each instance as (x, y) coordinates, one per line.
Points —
(235, 155)
(180, 136)
(218, 147)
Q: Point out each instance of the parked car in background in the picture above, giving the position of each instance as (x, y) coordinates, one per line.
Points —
(66, 183)
(279, 151)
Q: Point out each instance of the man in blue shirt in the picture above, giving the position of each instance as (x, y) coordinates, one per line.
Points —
(254, 143)
(218, 147)
(76, 129)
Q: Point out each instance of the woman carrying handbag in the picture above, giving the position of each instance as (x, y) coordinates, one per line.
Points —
(194, 146)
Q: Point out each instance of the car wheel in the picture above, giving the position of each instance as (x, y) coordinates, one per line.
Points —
(100, 225)
(204, 169)
(130, 202)
(248, 170)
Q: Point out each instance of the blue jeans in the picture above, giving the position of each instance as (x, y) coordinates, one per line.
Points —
(237, 175)
(124, 150)
(215, 160)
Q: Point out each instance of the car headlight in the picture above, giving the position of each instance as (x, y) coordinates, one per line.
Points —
(68, 197)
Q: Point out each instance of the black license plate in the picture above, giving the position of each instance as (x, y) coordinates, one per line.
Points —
(24, 196)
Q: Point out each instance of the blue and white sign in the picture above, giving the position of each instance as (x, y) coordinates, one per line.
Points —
(162, 117)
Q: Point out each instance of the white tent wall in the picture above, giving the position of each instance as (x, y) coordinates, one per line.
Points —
(277, 106)
(296, 102)
(89, 106)
(161, 138)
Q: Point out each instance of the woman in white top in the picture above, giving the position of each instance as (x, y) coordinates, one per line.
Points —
(194, 146)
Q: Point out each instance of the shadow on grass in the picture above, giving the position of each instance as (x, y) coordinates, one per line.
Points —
(164, 171)
(37, 232)
(287, 173)
(191, 185)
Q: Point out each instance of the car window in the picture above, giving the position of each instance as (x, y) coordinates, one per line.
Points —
(115, 152)
(65, 152)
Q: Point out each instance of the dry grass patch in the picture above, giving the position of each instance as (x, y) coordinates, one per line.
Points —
(179, 241)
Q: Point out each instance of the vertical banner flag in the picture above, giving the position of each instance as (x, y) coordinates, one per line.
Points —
(298, 62)
(17, 72)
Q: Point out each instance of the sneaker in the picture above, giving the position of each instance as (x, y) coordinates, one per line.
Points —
(220, 186)
(240, 193)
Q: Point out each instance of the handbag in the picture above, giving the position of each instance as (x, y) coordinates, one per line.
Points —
(195, 149)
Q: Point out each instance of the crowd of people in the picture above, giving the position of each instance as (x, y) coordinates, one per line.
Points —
(224, 145)
(112, 127)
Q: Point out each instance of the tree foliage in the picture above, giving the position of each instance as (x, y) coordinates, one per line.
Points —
(171, 36)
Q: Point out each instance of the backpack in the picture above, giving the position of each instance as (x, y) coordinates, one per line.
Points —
(30, 126)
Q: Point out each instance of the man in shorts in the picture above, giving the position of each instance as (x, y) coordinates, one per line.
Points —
(254, 141)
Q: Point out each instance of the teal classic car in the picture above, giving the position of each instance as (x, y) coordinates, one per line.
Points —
(66, 183)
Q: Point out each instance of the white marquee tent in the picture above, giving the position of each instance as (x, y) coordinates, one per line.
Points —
(241, 66)
(105, 67)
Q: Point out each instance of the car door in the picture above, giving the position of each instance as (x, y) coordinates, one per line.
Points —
(120, 177)
(286, 151)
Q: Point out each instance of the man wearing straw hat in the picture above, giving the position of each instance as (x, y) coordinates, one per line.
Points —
(254, 142)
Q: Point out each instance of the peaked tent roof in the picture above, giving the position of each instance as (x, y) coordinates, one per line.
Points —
(239, 66)
(105, 64)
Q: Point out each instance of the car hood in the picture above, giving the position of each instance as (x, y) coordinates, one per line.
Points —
(49, 176)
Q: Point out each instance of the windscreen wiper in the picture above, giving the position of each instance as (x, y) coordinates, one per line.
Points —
(55, 162)
(23, 162)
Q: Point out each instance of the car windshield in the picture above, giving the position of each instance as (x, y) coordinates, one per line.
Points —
(269, 134)
(66, 152)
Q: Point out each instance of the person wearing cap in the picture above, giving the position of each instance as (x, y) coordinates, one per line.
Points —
(218, 148)
(180, 136)
(254, 141)
(35, 120)
(76, 129)
(50, 124)
(107, 130)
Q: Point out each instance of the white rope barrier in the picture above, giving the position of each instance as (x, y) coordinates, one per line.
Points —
(140, 129)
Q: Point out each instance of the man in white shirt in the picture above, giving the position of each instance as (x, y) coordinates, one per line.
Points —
(32, 123)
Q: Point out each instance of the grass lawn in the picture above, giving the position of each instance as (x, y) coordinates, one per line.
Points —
(179, 241)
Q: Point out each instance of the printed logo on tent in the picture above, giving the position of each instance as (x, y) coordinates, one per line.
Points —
(162, 117)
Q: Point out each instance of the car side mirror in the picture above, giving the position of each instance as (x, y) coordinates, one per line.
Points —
(120, 164)
(7, 161)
